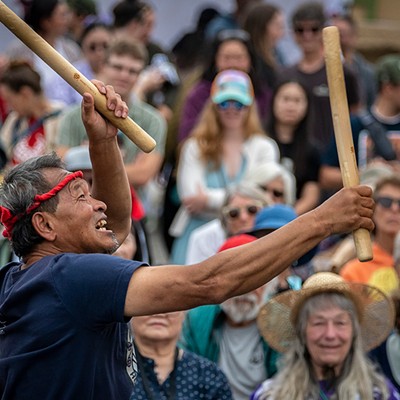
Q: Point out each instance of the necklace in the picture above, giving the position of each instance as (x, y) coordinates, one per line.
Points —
(322, 395)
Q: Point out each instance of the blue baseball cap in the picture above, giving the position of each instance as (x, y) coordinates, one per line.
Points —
(274, 217)
(232, 85)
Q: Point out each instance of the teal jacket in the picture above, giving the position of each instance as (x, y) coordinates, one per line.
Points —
(202, 332)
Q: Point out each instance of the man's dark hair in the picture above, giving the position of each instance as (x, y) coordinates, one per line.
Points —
(20, 74)
(312, 11)
(39, 10)
(20, 185)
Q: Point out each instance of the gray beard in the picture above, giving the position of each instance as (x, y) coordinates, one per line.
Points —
(242, 312)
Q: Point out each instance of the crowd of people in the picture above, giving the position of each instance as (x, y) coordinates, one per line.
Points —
(263, 296)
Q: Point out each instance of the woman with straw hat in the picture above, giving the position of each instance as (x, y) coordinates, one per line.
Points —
(325, 329)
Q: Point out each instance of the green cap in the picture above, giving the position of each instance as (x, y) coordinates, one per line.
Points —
(388, 69)
(232, 85)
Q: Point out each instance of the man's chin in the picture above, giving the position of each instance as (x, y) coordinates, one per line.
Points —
(113, 246)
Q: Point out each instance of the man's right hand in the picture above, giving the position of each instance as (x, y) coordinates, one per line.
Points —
(347, 210)
(97, 127)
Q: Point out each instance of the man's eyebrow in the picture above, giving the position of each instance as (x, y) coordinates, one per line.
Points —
(77, 184)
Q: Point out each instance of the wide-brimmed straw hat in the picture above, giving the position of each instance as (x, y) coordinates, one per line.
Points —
(278, 317)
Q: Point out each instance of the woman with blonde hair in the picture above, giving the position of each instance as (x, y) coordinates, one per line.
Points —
(227, 142)
(325, 329)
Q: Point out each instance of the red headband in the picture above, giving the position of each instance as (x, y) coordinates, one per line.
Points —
(8, 220)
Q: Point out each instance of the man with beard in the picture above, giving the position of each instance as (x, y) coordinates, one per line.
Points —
(228, 335)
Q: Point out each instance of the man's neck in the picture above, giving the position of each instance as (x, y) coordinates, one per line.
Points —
(284, 132)
(40, 107)
(312, 62)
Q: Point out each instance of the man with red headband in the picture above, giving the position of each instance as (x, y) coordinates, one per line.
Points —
(64, 307)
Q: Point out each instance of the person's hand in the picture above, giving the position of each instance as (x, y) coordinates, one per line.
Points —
(347, 210)
(197, 203)
(148, 81)
(97, 127)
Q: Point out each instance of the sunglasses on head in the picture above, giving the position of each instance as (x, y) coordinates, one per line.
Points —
(233, 34)
(274, 192)
(301, 30)
(235, 212)
(231, 103)
(387, 202)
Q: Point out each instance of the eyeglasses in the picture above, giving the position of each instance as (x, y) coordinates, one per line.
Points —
(274, 192)
(120, 68)
(235, 212)
(98, 46)
(231, 103)
(387, 202)
(300, 30)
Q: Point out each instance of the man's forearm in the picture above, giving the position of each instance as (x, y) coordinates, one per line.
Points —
(110, 183)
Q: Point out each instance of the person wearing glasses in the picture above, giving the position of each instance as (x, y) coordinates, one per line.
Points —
(237, 215)
(278, 183)
(380, 271)
(308, 20)
(231, 49)
(287, 125)
(94, 42)
(227, 142)
(124, 62)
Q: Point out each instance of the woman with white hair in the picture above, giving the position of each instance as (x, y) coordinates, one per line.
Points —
(242, 203)
(274, 179)
(325, 329)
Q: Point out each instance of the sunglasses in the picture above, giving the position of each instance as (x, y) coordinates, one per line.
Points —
(98, 46)
(300, 30)
(386, 202)
(235, 212)
(274, 192)
(231, 104)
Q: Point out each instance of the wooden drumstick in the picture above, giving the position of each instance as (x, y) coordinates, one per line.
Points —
(342, 128)
(70, 74)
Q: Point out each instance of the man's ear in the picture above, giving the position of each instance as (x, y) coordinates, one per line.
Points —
(42, 222)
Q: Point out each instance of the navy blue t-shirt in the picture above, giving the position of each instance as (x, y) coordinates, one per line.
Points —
(63, 334)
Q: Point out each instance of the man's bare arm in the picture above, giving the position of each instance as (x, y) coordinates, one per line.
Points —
(240, 270)
(110, 183)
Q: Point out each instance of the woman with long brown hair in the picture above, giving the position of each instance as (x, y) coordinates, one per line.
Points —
(227, 142)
